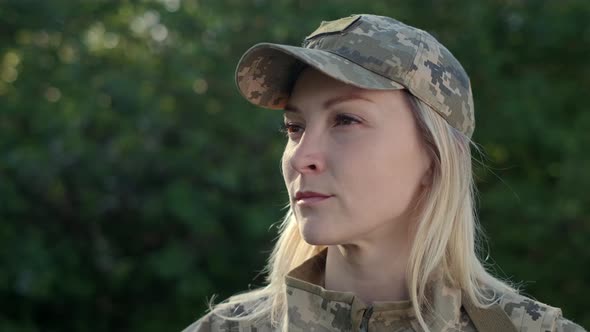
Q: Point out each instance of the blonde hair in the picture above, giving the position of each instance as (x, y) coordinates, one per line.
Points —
(446, 235)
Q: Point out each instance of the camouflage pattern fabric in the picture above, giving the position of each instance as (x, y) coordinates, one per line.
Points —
(367, 51)
(313, 308)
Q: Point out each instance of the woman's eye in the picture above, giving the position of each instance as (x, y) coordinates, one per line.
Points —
(345, 120)
(290, 129)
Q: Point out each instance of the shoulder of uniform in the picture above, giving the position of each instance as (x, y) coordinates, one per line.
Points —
(565, 325)
(202, 324)
(530, 315)
(224, 318)
(212, 321)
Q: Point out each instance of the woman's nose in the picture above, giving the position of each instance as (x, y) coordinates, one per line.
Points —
(308, 156)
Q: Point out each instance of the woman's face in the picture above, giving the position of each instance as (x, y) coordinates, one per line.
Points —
(361, 148)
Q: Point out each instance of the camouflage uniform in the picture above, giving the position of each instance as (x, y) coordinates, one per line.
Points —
(313, 308)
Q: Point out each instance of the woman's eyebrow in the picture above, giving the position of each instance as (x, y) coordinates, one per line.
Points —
(330, 102)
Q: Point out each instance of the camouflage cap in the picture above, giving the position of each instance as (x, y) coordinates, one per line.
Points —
(367, 51)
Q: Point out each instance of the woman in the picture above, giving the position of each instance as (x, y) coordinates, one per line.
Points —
(381, 231)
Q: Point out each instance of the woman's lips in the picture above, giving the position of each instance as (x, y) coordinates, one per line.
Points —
(312, 200)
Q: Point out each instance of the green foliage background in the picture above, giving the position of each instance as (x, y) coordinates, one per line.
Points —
(135, 181)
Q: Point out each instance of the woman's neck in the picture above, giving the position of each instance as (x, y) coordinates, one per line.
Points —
(373, 273)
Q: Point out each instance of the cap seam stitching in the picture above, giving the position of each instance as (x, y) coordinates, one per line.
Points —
(438, 104)
(343, 57)
(411, 79)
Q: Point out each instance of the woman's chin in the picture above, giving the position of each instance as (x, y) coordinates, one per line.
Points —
(318, 234)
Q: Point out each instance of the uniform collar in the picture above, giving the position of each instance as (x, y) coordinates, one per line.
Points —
(312, 307)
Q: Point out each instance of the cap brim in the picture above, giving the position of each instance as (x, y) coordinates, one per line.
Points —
(266, 72)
